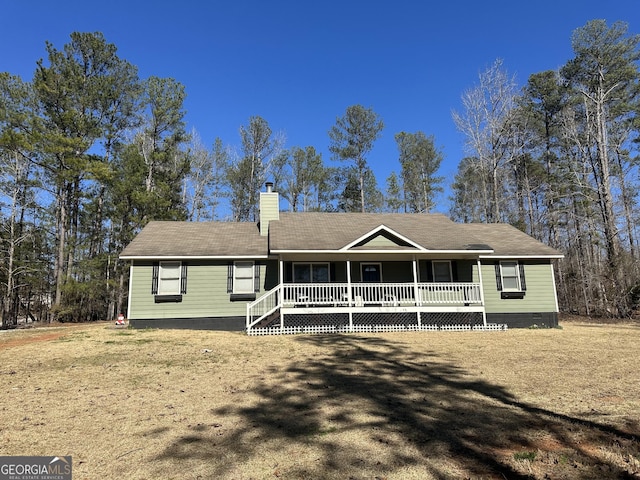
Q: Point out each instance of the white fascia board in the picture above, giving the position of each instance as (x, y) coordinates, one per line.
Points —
(378, 230)
(197, 257)
(522, 256)
(412, 251)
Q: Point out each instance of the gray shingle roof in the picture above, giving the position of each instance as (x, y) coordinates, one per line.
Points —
(197, 239)
(507, 240)
(327, 231)
(333, 231)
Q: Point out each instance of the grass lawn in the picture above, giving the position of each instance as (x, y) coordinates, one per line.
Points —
(162, 404)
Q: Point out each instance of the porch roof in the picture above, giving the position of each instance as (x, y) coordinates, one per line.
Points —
(351, 231)
(344, 232)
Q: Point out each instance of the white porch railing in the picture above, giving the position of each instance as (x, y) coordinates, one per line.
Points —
(291, 295)
(263, 306)
(391, 294)
(320, 294)
(450, 293)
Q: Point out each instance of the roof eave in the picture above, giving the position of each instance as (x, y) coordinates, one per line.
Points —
(559, 255)
(359, 252)
(189, 257)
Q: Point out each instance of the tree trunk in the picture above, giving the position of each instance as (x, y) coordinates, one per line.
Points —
(61, 240)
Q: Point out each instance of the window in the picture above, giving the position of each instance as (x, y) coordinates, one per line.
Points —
(243, 277)
(510, 276)
(310, 273)
(441, 271)
(169, 278)
(168, 281)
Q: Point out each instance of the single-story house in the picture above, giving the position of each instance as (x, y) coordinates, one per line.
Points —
(321, 272)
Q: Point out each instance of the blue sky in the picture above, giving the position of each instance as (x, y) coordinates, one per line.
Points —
(300, 64)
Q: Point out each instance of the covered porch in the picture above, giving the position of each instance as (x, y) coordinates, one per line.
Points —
(343, 295)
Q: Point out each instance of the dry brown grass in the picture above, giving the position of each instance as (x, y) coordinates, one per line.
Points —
(155, 404)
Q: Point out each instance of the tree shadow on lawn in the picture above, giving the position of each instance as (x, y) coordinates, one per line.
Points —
(373, 407)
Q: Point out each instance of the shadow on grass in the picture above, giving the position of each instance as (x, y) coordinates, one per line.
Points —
(371, 407)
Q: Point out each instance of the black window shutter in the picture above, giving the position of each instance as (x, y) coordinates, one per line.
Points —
(332, 272)
(256, 277)
(155, 273)
(523, 283)
(288, 272)
(230, 278)
(498, 277)
(429, 265)
(183, 278)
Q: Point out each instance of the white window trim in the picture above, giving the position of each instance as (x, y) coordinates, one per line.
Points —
(517, 268)
(161, 278)
(364, 264)
(311, 264)
(236, 277)
(433, 270)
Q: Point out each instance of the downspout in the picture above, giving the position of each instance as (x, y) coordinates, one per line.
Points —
(484, 311)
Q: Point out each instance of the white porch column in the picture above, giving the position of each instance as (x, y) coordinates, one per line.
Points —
(416, 290)
(349, 299)
(484, 312)
(280, 300)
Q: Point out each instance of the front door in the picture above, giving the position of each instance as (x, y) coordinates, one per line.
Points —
(371, 272)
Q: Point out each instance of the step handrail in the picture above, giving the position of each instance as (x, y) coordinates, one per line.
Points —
(263, 306)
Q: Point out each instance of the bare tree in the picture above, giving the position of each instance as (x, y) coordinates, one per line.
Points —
(245, 176)
(202, 185)
(490, 138)
(298, 174)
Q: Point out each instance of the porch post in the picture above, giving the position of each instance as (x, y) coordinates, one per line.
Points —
(280, 300)
(349, 295)
(484, 312)
(416, 290)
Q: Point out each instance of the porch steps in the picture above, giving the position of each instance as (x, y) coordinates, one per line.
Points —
(268, 321)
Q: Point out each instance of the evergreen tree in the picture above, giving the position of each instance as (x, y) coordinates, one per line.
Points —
(84, 93)
(419, 161)
(351, 139)
(394, 199)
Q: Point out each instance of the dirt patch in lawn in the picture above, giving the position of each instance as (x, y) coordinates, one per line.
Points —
(39, 333)
(520, 404)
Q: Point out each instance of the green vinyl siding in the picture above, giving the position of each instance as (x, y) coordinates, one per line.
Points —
(539, 295)
(381, 241)
(206, 292)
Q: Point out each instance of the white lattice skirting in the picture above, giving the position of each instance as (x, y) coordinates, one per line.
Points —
(324, 329)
